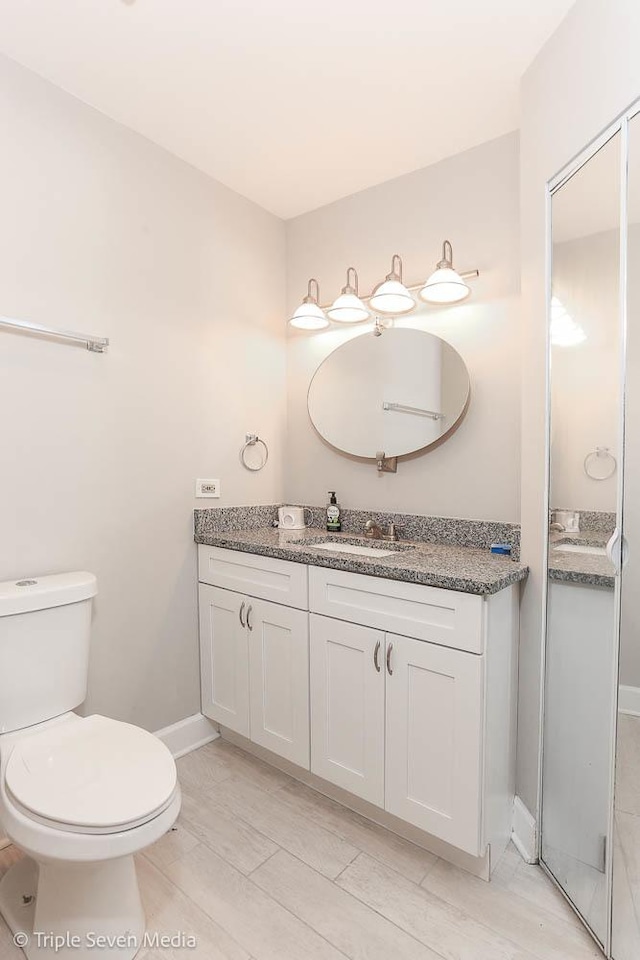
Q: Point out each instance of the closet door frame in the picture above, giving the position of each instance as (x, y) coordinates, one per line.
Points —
(620, 125)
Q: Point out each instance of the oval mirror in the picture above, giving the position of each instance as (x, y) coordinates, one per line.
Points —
(399, 392)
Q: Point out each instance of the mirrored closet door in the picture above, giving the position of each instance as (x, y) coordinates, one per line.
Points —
(585, 442)
(625, 930)
(590, 810)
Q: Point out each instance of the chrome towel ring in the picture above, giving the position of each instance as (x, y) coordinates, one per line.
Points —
(251, 439)
(600, 464)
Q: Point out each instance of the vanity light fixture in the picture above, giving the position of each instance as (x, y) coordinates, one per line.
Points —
(348, 307)
(565, 331)
(445, 285)
(309, 315)
(391, 296)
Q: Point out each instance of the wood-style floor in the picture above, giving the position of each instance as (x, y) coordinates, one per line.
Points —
(261, 867)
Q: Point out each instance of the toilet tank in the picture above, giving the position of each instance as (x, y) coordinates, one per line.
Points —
(45, 629)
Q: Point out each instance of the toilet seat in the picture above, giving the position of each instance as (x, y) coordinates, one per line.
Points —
(94, 775)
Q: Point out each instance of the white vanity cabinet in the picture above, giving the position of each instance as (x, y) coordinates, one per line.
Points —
(418, 715)
(254, 652)
(224, 657)
(434, 724)
(401, 694)
(347, 706)
(279, 679)
(399, 722)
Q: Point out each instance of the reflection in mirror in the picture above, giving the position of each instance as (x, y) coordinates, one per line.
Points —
(584, 452)
(625, 943)
(399, 392)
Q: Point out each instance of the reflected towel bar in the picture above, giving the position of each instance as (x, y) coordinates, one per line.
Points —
(418, 411)
(95, 344)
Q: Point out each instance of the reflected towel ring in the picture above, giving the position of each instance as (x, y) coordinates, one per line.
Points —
(600, 464)
(251, 439)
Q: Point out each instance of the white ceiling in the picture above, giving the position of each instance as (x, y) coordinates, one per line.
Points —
(293, 103)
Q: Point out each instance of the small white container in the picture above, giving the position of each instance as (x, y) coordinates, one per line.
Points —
(570, 520)
(291, 518)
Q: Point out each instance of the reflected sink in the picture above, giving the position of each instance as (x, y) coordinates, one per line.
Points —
(583, 548)
(359, 550)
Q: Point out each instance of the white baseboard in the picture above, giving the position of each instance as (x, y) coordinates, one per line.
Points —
(523, 832)
(629, 700)
(188, 734)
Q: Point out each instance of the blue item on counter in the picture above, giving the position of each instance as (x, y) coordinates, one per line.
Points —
(502, 548)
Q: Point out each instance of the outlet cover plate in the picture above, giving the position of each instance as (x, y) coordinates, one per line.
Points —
(207, 488)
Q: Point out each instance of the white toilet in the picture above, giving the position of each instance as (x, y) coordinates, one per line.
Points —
(80, 796)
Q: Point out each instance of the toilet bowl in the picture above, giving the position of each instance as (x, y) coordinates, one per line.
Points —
(78, 795)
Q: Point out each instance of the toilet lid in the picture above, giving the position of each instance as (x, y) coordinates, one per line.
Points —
(93, 773)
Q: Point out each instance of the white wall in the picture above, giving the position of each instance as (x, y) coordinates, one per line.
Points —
(586, 74)
(104, 232)
(471, 199)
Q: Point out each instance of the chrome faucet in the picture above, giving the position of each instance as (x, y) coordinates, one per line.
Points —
(554, 525)
(372, 530)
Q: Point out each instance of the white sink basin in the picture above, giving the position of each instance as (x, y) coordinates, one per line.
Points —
(580, 548)
(360, 551)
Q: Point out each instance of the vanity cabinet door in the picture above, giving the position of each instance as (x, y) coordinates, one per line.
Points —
(434, 732)
(347, 706)
(279, 679)
(224, 657)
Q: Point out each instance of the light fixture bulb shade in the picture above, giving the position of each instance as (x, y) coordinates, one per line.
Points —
(348, 308)
(558, 311)
(309, 316)
(445, 285)
(565, 331)
(392, 297)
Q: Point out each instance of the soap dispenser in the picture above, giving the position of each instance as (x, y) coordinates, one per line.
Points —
(334, 524)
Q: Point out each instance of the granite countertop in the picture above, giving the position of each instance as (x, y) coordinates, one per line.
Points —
(465, 569)
(594, 570)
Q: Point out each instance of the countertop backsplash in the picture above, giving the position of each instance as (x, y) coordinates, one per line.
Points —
(451, 531)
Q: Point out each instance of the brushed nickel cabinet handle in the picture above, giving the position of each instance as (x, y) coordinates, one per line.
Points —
(249, 612)
(242, 606)
(389, 649)
(375, 656)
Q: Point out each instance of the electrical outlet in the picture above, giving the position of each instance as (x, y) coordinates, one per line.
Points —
(207, 488)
